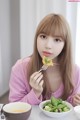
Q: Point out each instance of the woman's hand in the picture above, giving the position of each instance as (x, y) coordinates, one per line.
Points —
(36, 83)
(76, 99)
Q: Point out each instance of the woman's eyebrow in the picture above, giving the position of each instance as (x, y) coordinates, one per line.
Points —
(58, 37)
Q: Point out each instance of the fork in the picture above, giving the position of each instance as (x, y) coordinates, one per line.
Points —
(44, 67)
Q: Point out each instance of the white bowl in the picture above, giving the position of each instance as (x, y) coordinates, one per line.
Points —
(77, 111)
(55, 114)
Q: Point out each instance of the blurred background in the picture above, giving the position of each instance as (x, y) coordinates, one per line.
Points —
(18, 22)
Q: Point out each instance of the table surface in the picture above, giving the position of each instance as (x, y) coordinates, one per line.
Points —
(36, 114)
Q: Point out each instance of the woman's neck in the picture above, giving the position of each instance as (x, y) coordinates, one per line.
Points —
(53, 69)
(53, 77)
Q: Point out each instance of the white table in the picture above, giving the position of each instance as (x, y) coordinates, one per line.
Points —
(36, 114)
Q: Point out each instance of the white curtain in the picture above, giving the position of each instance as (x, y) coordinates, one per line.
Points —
(77, 45)
(18, 22)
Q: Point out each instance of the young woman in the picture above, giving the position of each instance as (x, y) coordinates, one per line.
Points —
(62, 80)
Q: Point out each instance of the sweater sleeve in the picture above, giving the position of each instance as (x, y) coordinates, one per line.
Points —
(19, 87)
(76, 81)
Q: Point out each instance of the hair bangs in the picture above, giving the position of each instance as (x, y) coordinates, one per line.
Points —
(54, 27)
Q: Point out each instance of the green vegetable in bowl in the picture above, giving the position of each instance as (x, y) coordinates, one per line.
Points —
(55, 105)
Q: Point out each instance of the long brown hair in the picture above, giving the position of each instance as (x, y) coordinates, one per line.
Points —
(55, 25)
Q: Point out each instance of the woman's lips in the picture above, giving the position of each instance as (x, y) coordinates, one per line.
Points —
(45, 53)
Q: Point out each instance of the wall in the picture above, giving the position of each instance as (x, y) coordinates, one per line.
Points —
(4, 45)
(9, 40)
(15, 30)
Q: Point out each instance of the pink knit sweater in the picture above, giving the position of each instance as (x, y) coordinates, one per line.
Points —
(20, 89)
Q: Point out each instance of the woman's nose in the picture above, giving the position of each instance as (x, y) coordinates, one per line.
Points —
(48, 44)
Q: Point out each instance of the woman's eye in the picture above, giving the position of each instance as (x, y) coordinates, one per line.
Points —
(43, 36)
(58, 40)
